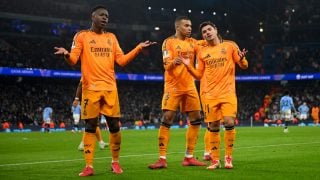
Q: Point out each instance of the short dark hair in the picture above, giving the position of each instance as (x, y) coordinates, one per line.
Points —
(286, 92)
(98, 7)
(179, 18)
(203, 24)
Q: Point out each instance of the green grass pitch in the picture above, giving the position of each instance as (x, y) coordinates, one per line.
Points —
(259, 153)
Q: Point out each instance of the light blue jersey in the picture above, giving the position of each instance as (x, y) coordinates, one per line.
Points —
(303, 109)
(47, 112)
(286, 103)
(76, 110)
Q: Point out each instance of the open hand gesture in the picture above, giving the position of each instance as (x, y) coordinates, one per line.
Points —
(242, 53)
(60, 51)
(147, 43)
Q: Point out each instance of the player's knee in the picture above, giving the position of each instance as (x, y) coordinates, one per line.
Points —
(228, 121)
(194, 115)
(195, 122)
(214, 126)
(167, 118)
(91, 125)
(113, 124)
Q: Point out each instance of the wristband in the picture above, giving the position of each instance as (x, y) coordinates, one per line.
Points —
(76, 98)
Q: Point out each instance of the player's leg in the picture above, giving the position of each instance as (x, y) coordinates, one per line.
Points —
(76, 118)
(111, 109)
(206, 138)
(47, 127)
(212, 118)
(89, 145)
(229, 139)
(163, 139)
(214, 141)
(286, 115)
(115, 143)
(190, 103)
(102, 144)
(229, 111)
(90, 108)
(170, 103)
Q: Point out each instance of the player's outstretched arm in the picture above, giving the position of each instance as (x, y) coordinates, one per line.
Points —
(124, 59)
(65, 53)
(147, 44)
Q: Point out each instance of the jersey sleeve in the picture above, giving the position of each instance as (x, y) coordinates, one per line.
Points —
(167, 55)
(198, 72)
(243, 63)
(76, 48)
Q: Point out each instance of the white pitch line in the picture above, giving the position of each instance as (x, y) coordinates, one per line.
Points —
(153, 154)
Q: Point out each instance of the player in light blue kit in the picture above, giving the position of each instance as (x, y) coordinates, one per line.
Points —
(76, 111)
(47, 117)
(286, 105)
(304, 113)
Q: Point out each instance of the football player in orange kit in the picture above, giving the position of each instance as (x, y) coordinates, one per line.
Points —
(217, 62)
(99, 51)
(179, 91)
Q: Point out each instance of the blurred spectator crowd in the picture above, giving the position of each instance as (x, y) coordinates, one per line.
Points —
(23, 99)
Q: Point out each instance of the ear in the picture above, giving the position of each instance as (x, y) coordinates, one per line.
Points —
(92, 16)
(176, 25)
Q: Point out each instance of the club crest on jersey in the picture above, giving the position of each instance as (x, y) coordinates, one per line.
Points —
(109, 42)
(223, 51)
(165, 54)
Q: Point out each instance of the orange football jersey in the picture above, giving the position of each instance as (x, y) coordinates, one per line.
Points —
(98, 54)
(177, 76)
(217, 65)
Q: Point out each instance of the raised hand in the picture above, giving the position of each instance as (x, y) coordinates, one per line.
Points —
(147, 43)
(242, 53)
(60, 51)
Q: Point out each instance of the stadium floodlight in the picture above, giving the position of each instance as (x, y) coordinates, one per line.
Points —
(261, 29)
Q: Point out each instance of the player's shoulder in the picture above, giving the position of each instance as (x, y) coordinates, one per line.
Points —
(170, 38)
(82, 32)
(168, 41)
(192, 39)
(230, 42)
(202, 43)
(109, 34)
